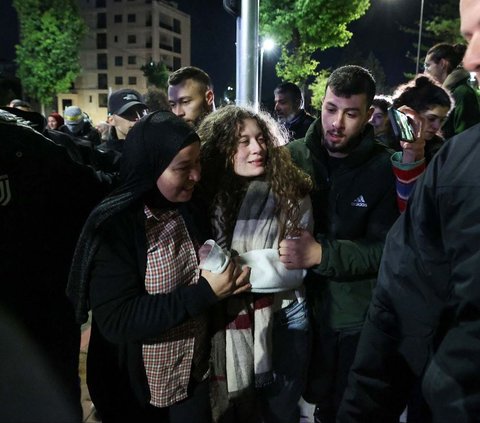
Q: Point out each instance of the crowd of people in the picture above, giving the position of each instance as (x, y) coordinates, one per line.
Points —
(233, 262)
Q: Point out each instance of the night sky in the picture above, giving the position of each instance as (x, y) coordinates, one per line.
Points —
(214, 33)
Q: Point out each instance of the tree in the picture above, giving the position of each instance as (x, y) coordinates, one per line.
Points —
(318, 88)
(156, 74)
(303, 27)
(444, 26)
(51, 32)
(441, 25)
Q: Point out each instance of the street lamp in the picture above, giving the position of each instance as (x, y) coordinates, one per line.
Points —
(267, 45)
(419, 37)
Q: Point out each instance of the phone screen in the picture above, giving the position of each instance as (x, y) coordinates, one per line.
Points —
(401, 125)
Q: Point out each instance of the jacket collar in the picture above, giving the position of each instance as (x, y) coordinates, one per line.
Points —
(360, 154)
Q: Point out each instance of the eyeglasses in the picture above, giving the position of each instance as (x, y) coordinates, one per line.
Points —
(134, 113)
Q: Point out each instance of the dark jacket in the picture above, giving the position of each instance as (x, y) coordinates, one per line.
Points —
(124, 315)
(299, 125)
(88, 132)
(45, 198)
(467, 111)
(108, 153)
(424, 320)
(354, 206)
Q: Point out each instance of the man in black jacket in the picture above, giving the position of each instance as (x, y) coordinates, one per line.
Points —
(289, 110)
(354, 206)
(424, 320)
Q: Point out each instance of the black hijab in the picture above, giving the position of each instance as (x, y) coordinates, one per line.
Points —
(149, 148)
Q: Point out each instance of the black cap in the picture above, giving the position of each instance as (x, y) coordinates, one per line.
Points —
(120, 101)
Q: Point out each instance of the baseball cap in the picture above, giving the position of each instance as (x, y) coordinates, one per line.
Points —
(120, 101)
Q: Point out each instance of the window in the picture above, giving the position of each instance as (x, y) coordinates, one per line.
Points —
(102, 40)
(131, 39)
(131, 18)
(119, 80)
(118, 19)
(132, 60)
(102, 81)
(100, 3)
(101, 20)
(102, 61)
(115, 39)
(177, 45)
(132, 80)
(118, 60)
(177, 63)
(176, 26)
(102, 100)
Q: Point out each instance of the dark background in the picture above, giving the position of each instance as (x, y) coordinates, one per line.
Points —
(214, 34)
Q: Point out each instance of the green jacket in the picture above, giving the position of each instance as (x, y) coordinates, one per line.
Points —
(466, 112)
(354, 206)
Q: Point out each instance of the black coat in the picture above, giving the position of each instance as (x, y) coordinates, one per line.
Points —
(424, 320)
(44, 199)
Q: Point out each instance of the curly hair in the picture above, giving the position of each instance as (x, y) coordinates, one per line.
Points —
(219, 133)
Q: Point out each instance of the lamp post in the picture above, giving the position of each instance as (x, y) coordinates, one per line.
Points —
(267, 45)
(419, 37)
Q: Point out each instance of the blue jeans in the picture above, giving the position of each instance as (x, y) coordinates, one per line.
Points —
(291, 353)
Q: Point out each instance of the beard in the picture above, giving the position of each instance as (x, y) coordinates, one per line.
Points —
(343, 147)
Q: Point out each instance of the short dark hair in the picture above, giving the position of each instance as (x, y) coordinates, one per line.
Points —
(452, 53)
(190, 72)
(351, 80)
(421, 93)
(292, 90)
(383, 102)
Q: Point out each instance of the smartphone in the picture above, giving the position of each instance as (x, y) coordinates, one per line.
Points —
(402, 129)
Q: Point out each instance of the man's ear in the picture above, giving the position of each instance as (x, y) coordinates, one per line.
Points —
(210, 97)
(110, 120)
(370, 112)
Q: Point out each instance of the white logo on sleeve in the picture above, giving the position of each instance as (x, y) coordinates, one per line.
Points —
(5, 195)
(359, 202)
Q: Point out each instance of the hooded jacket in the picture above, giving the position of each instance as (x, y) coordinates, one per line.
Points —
(354, 206)
(466, 112)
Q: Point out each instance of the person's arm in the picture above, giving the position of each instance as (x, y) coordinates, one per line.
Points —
(337, 258)
(125, 312)
(406, 175)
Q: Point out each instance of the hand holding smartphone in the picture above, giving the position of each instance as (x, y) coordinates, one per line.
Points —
(402, 128)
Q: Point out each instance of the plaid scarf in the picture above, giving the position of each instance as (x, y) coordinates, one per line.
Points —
(241, 358)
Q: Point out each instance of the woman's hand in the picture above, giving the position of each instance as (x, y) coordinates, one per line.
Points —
(413, 151)
(233, 280)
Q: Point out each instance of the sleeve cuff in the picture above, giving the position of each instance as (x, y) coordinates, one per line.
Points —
(199, 297)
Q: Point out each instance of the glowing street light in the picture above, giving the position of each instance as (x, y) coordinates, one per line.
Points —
(267, 45)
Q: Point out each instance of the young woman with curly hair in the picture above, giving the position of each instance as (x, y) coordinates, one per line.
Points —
(257, 197)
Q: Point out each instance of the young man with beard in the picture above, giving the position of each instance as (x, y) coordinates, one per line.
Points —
(190, 94)
(354, 205)
(424, 319)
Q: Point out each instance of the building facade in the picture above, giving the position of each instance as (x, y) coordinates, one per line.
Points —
(122, 36)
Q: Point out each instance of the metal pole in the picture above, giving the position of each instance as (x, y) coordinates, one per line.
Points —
(247, 54)
(419, 38)
(260, 76)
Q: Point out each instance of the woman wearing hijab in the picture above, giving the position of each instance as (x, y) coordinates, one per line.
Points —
(136, 267)
(258, 197)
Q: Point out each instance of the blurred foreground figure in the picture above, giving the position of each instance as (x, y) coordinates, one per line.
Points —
(424, 320)
(44, 199)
